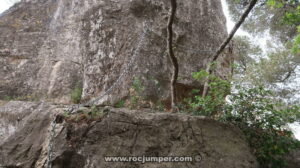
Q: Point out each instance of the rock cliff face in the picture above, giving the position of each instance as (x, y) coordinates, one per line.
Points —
(85, 140)
(48, 47)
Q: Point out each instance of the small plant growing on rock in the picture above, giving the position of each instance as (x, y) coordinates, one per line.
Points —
(120, 104)
(66, 114)
(76, 94)
(136, 99)
(157, 106)
(7, 98)
(96, 112)
(85, 115)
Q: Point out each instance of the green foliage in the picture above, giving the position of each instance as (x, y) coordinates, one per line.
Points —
(120, 104)
(292, 10)
(274, 3)
(256, 106)
(278, 66)
(245, 52)
(7, 98)
(213, 103)
(261, 117)
(137, 85)
(292, 17)
(29, 97)
(263, 120)
(279, 63)
(76, 94)
(84, 115)
(136, 91)
(283, 18)
(66, 114)
(158, 106)
(268, 16)
(200, 76)
(96, 112)
(296, 46)
(257, 111)
(271, 147)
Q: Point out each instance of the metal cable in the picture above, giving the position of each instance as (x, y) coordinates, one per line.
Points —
(125, 71)
(146, 31)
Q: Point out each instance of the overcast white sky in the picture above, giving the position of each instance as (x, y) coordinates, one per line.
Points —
(5, 4)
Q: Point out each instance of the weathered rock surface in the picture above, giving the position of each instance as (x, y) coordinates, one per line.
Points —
(47, 47)
(120, 132)
(293, 159)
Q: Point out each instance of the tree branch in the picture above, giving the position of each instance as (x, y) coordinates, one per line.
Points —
(225, 43)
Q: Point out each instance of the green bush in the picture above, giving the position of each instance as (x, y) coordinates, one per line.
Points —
(263, 120)
(120, 104)
(213, 103)
(7, 98)
(136, 91)
(256, 111)
(96, 112)
(76, 94)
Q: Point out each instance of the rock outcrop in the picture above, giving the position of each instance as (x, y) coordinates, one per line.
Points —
(48, 47)
(85, 139)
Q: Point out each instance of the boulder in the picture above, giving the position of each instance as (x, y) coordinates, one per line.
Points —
(86, 138)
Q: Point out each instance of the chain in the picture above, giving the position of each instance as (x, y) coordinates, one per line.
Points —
(194, 50)
(50, 145)
(145, 32)
(73, 108)
(126, 70)
(186, 48)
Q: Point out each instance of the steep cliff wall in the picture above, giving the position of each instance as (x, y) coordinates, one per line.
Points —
(48, 47)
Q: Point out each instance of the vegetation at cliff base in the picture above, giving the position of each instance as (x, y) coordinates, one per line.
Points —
(264, 121)
(259, 103)
(256, 111)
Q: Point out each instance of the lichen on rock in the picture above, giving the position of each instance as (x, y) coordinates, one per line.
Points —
(121, 132)
(51, 45)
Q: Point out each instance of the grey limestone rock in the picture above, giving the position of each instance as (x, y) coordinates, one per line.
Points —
(48, 47)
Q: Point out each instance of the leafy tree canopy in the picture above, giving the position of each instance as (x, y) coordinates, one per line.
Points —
(280, 17)
(279, 65)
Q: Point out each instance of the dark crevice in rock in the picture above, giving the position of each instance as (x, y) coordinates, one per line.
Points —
(36, 157)
(136, 124)
(135, 138)
(200, 142)
(69, 159)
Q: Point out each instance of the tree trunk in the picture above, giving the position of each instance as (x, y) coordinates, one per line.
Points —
(225, 43)
(171, 55)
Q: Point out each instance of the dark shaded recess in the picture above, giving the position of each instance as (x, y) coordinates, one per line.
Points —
(69, 159)
(142, 8)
